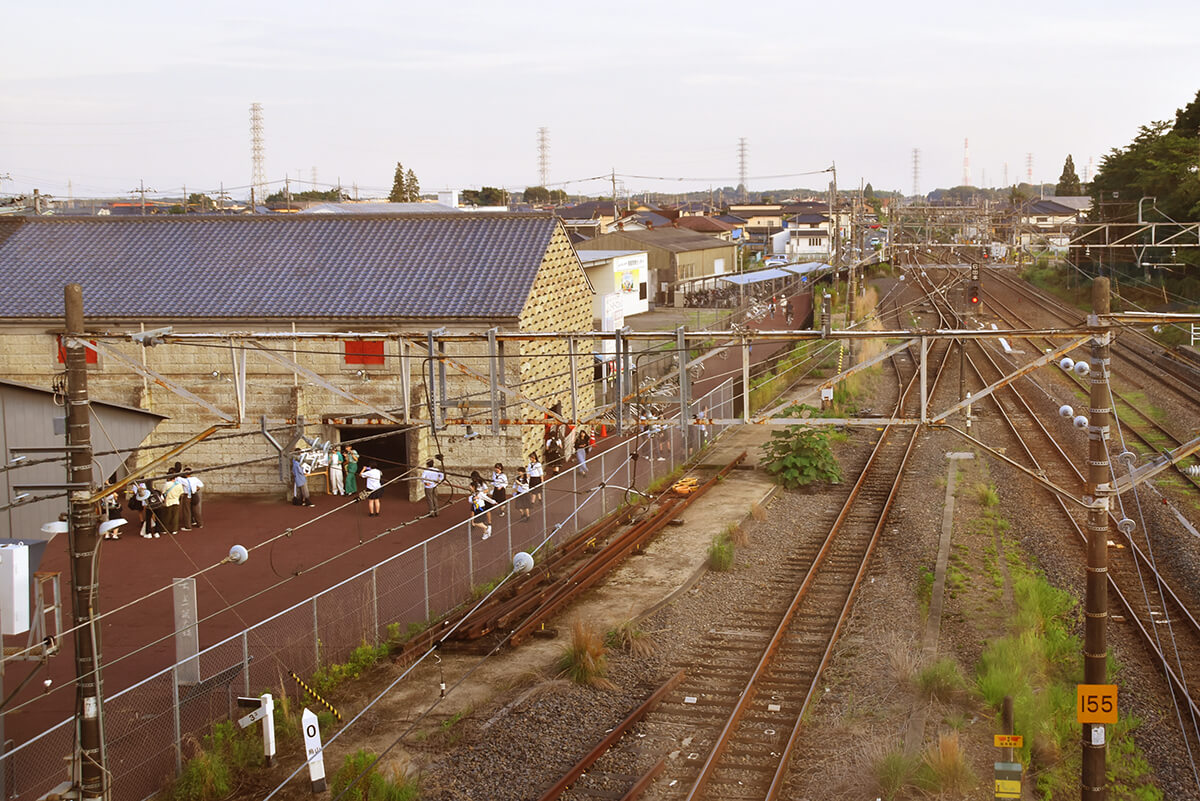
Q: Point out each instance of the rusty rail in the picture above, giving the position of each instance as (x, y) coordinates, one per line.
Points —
(599, 566)
(571, 776)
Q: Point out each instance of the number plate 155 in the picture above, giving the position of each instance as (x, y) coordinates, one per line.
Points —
(1096, 703)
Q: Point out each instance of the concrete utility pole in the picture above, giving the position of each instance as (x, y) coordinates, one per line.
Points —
(82, 540)
(1099, 490)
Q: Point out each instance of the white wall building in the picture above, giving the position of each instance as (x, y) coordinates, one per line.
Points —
(619, 278)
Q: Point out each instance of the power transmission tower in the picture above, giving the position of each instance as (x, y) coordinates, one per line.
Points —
(916, 164)
(258, 158)
(742, 153)
(543, 141)
(966, 181)
(314, 179)
(1006, 173)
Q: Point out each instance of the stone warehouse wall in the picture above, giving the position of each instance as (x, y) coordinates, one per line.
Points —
(561, 301)
(205, 368)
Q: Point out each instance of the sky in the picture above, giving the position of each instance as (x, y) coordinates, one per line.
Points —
(99, 98)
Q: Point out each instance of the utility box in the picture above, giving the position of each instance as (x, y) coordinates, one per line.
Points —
(14, 588)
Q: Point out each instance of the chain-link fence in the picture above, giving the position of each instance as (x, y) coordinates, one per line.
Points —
(151, 728)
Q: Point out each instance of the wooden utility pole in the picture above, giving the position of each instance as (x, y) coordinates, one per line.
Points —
(83, 541)
(1099, 493)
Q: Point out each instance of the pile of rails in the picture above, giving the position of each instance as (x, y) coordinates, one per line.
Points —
(524, 605)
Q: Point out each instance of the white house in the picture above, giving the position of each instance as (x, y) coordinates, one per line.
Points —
(805, 237)
(619, 278)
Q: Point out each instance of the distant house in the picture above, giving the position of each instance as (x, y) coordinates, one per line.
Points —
(711, 226)
(621, 281)
(673, 255)
(762, 219)
(1048, 223)
(806, 238)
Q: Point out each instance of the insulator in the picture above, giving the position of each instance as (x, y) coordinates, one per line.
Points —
(1066, 411)
(1082, 368)
(1080, 421)
(1126, 526)
(1066, 362)
(1193, 470)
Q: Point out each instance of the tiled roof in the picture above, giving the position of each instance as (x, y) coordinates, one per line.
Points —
(319, 266)
(675, 240)
(709, 225)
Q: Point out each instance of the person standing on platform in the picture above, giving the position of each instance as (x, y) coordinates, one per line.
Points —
(430, 478)
(195, 485)
(300, 495)
(337, 480)
(185, 503)
(351, 470)
(522, 495)
(373, 480)
(172, 495)
(535, 471)
(582, 444)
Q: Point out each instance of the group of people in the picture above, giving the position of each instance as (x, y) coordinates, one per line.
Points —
(342, 478)
(176, 507)
(493, 491)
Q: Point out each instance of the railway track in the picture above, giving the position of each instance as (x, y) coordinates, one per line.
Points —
(1163, 620)
(748, 685)
(1140, 425)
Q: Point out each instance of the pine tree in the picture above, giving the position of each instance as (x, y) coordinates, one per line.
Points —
(1068, 182)
(412, 188)
(398, 188)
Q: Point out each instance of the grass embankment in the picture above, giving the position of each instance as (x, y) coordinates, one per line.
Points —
(1018, 635)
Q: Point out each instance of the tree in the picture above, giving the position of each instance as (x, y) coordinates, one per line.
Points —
(399, 193)
(487, 196)
(800, 455)
(536, 194)
(412, 187)
(1068, 182)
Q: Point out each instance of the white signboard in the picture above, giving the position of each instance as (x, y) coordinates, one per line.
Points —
(312, 749)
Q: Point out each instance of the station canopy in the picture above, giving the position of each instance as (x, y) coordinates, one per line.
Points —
(790, 271)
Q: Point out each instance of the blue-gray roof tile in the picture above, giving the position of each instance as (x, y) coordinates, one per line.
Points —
(398, 266)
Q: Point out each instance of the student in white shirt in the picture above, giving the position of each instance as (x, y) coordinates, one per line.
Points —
(196, 485)
(430, 478)
(373, 477)
(535, 471)
(522, 495)
(499, 485)
(479, 505)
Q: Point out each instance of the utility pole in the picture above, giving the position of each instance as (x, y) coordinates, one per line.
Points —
(287, 191)
(616, 213)
(82, 541)
(1099, 493)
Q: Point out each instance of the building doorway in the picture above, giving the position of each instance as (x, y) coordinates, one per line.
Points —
(389, 453)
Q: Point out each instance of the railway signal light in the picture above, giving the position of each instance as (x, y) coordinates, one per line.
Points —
(973, 295)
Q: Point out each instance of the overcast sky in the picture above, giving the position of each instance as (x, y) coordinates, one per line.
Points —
(104, 94)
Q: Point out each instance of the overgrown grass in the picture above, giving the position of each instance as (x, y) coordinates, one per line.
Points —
(628, 636)
(373, 786)
(944, 767)
(661, 483)
(328, 677)
(216, 761)
(892, 772)
(986, 495)
(585, 659)
(941, 680)
(1038, 664)
(721, 552)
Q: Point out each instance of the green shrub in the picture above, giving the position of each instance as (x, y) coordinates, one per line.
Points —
(225, 752)
(941, 680)
(800, 455)
(373, 786)
(892, 772)
(362, 658)
(721, 553)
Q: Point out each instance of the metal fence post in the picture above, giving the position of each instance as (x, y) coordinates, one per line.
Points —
(470, 556)
(375, 605)
(246, 657)
(603, 494)
(316, 636)
(175, 708)
(425, 575)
